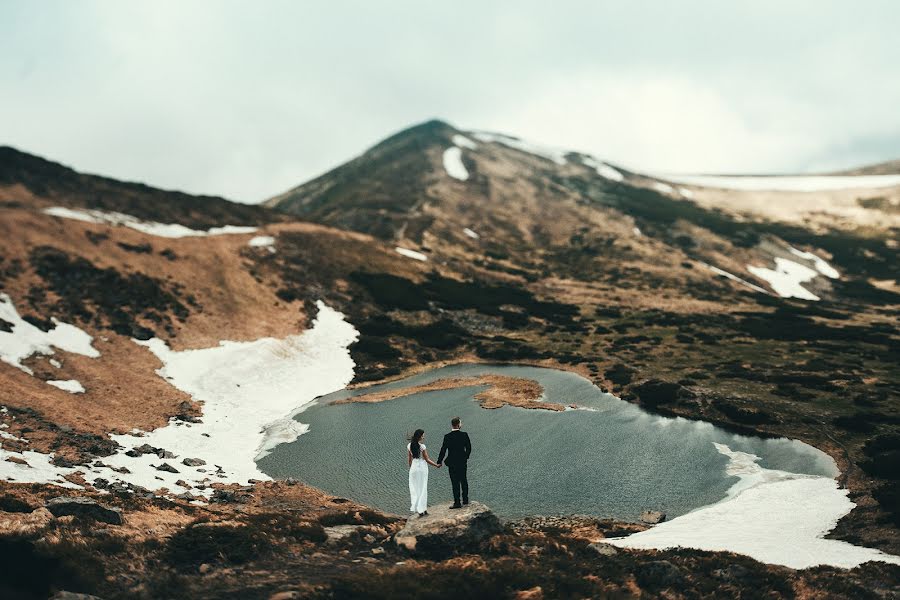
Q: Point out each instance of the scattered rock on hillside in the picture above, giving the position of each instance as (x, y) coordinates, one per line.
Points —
(193, 462)
(653, 517)
(444, 532)
(84, 508)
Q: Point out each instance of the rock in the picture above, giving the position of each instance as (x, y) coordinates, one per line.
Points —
(25, 524)
(339, 533)
(226, 496)
(164, 454)
(193, 462)
(378, 551)
(535, 593)
(285, 595)
(369, 538)
(63, 595)
(444, 532)
(658, 574)
(653, 517)
(205, 568)
(84, 508)
(603, 549)
(166, 467)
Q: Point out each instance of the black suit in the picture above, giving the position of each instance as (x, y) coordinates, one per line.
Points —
(457, 448)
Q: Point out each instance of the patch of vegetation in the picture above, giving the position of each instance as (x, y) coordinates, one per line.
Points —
(105, 297)
(209, 543)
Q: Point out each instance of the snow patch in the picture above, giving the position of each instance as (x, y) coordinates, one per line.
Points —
(821, 266)
(603, 169)
(786, 278)
(788, 183)
(453, 164)
(25, 339)
(169, 230)
(463, 142)
(557, 155)
(663, 188)
(773, 516)
(686, 193)
(410, 253)
(732, 277)
(471, 233)
(263, 241)
(73, 386)
(39, 468)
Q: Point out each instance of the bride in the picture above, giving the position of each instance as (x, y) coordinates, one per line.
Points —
(418, 461)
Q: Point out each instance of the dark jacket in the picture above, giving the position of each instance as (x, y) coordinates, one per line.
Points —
(456, 448)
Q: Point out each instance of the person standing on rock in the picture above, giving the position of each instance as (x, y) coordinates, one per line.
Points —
(457, 447)
(418, 461)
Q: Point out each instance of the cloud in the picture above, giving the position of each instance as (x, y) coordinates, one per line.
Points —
(246, 100)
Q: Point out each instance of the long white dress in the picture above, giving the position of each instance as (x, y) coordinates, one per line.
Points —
(418, 482)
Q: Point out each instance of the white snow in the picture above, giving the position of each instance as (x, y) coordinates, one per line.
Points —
(603, 169)
(557, 155)
(250, 392)
(786, 278)
(39, 469)
(25, 339)
(773, 516)
(464, 142)
(453, 163)
(821, 266)
(263, 241)
(410, 253)
(73, 386)
(788, 183)
(724, 273)
(55, 363)
(170, 230)
(685, 192)
(471, 233)
(664, 188)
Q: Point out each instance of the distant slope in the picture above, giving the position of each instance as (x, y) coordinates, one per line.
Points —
(890, 167)
(59, 184)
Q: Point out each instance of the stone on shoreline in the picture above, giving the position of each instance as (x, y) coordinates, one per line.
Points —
(653, 517)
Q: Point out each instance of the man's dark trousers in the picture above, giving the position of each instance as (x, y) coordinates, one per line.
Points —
(458, 480)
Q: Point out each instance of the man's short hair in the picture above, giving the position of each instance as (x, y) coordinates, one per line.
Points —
(454, 422)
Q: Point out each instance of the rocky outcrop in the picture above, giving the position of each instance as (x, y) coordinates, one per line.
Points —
(84, 508)
(444, 532)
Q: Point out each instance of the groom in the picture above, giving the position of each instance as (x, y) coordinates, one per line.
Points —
(457, 449)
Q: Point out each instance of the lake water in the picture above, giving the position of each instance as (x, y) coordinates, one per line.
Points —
(610, 459)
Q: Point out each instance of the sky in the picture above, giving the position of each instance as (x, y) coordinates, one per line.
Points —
(248, 99)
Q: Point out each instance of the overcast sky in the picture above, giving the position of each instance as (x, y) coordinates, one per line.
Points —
(246, 99)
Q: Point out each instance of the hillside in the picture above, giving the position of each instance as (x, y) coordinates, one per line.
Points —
(435, 246)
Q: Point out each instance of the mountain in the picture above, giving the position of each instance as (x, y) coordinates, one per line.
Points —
(890, 167)
(126, 307)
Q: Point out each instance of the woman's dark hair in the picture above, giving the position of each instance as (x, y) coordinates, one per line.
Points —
(414, 443)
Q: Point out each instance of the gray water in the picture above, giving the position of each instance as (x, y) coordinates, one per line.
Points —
(611, 459)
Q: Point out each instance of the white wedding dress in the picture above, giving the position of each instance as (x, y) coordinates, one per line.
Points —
(418, 482)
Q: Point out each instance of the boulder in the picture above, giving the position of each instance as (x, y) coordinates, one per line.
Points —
(64, 595)
(653, 517)
(193, 462)
(25, 524)
(603, 549)
(444, 532)
(84, 508)
(339, 533)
